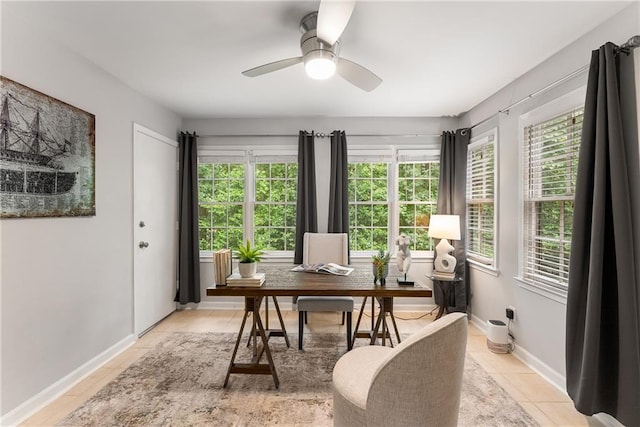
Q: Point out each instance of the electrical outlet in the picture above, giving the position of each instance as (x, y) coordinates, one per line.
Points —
(511, 313)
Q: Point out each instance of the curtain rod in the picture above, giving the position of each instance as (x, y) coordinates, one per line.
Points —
(632, 43)
(324, 135)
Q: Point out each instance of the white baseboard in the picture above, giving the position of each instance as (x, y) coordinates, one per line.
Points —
(57, 389)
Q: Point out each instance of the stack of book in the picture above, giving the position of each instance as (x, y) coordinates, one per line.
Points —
(441, 275)
(222, 265)
(236, 280)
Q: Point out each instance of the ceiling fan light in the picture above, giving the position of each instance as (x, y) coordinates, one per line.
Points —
(320, 68)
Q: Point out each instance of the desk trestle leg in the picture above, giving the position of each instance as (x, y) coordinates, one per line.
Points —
(252, 305)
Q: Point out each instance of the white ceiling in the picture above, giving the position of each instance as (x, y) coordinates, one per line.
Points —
(435, 58)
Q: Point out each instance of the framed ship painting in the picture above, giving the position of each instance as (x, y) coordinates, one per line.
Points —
(47, 155)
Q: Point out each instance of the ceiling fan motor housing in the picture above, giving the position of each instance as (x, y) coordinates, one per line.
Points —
(312, 47)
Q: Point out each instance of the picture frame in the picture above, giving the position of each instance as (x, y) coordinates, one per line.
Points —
(47, 155)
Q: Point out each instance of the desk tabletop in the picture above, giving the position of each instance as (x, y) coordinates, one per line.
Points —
(281, 281)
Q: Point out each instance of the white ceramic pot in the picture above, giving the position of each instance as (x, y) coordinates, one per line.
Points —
(247, 269)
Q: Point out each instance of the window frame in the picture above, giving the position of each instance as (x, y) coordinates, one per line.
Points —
(479, 260)
(249, 158)
(562, 105)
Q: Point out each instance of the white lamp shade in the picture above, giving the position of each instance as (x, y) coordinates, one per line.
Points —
(444, 227)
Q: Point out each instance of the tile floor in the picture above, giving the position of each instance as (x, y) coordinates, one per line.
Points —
(543, 401)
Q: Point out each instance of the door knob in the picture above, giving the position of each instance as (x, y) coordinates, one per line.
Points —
(143, 244)
(142, 224)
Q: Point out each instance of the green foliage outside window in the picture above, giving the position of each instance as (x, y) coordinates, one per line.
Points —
(275, 206)
(552, 163)
(368, 206)
(221, 205)
(417, 201)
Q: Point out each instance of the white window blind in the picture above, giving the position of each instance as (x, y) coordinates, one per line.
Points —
(481, 200)
(550, 169)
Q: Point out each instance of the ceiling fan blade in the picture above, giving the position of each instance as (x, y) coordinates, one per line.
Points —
(333, 16)
(357, 75)
(272, 66)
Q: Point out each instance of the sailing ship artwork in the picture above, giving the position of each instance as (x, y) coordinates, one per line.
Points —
(47, 155)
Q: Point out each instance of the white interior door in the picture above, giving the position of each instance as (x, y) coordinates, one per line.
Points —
(155, 234)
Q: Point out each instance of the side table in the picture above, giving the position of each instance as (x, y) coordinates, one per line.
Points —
(445, 284)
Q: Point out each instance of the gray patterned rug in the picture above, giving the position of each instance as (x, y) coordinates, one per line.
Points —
(179, 383)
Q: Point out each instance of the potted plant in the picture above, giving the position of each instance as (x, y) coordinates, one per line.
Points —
(380, 266)
(248, 259)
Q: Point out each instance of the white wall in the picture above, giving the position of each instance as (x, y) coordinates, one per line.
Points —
(290, 126)
(67, 283)
(540, 321)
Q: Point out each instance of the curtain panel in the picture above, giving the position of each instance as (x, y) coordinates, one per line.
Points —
(452, 201)
(339, 186)
(603, 321)
(188, 248)
(307, 207)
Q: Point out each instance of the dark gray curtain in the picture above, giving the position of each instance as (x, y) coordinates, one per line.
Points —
(603, 321)
(339, 185)
(307, 207)
(188, 249)
(452, 201)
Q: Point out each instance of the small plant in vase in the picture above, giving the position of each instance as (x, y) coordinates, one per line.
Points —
(248, 259)
(380, 266)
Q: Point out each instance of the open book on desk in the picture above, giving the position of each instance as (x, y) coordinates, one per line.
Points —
(329, 268)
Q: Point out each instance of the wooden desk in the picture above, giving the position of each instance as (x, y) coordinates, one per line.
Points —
(280, 281)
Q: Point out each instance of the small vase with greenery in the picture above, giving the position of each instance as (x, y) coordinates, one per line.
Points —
(380, 266)
(248, 259)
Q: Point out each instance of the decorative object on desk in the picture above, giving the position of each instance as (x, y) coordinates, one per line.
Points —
(328, 268)
(248, 259)
(444, 227)
(222, 264)
(381, 267)
(177, 381)
(235, 279)
(403, 258)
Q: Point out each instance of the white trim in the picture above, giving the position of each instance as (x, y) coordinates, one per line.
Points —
(57, 389)
(483, 267)
(485, 138)
(547, 291)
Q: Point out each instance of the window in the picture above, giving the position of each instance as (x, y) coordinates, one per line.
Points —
(481, 200)
(392, 191)
(221, 205)
(247, 195)
(417, 201)
(368, 206)
(550, 169)
(275, 205)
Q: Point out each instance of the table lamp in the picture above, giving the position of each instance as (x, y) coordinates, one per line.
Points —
(444, 227)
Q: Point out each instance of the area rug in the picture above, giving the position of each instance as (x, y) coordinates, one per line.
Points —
(179, 383)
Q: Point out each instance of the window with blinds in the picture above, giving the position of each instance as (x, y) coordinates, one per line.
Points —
(550, 169)
(481, 191)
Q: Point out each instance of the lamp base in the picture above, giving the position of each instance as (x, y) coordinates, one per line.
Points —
(405, 283)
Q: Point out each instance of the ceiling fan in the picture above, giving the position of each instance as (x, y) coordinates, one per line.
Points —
(320, 47)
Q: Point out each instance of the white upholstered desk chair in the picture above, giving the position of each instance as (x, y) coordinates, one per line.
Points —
(417, 383)
(322, 248)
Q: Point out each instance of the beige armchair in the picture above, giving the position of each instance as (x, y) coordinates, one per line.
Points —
(417, 383)
(322, 248)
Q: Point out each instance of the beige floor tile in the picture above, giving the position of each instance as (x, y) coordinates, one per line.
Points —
(94, 382)
(563, 414)
(150, 339)
(125, 359)
(55, 412)
(510, 388)
(476, 343)
(537, 414)
(535, 388)
(499, 363)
